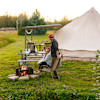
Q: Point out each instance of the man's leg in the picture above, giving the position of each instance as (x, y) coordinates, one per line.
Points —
(54, 65)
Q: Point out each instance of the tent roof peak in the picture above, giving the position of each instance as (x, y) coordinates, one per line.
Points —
(92, 10)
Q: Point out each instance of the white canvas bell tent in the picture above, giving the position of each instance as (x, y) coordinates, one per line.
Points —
(81, 37)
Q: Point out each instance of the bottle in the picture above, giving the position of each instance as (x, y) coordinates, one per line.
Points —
(26, 51)
(35, 48)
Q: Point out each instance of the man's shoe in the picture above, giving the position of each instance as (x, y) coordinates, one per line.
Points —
(57, 77)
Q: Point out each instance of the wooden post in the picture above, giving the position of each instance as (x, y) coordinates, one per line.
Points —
(25, 38)
(54, 30)
(17, 25)
(31, 35)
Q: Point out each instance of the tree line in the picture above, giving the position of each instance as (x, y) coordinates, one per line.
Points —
(23, 20)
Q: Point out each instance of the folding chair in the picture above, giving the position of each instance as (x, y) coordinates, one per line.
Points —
(54, 66)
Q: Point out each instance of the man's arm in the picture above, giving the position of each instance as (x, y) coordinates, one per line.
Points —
(57, 53)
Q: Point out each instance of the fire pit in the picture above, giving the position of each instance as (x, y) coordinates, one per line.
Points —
(24, 71)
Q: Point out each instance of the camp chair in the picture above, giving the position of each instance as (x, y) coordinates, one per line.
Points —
(54, 66)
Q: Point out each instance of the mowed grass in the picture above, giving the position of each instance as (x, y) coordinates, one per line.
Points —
(5, 39)
(76, 77)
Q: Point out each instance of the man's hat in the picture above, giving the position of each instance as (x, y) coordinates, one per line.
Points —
(50, 35)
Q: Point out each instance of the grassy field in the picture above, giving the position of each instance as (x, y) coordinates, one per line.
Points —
(75, 84)
(5, 38)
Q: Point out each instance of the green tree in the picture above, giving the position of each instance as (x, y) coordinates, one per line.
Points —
(22, 23)
(35, 20)
(8, 21)
(64, 21)
(5, 20)
(22, 16)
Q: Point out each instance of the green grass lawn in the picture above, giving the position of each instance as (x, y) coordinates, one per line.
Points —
(5, 38)
(75, 84)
